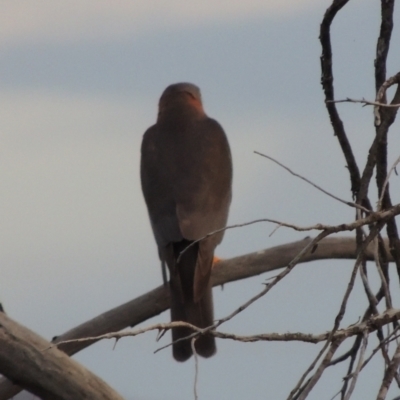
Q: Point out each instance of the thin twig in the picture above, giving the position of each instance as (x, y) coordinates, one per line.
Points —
(393, 167)
(370, 295)
(345, 356)
(278, 278)
(381, 95)
(299, 384)
(381, 275)
(371, 218)
(320, 370)
(370, 325)
(389, 374)
(387, 340)
(358, 368)
(196, 367)
(348, 203)
(338, 318)
(365, 102)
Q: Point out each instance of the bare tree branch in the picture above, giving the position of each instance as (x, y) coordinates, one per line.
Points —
(384, 119)
(371, 325)
(50, 375)
(385, 183)
(382, 46)
(304, 392)
(377, 157)
(389, 374)
(157, 300)
(327, 85)
(354, 376)
(364, 102)
(326, 229)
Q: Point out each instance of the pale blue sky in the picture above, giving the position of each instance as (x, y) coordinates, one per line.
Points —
(79, 86)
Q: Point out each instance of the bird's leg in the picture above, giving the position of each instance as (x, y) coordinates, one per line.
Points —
(164, 272)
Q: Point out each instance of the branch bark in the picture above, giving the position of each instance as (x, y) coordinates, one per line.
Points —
(48, 374)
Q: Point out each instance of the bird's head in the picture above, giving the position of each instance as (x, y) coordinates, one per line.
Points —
(181, 97)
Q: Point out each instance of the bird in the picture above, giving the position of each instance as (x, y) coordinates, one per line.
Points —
(186, 178)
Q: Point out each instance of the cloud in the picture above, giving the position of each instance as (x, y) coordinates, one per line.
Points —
(24, 21)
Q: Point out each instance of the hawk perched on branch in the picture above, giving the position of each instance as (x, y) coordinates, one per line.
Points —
(186, 174)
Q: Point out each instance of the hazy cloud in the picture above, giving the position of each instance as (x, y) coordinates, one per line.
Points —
(22, 21)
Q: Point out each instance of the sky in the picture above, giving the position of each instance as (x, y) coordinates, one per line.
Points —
(80, 83)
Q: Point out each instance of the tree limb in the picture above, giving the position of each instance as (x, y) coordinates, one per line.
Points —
(157, 300)
(327, 85)
(51, 374)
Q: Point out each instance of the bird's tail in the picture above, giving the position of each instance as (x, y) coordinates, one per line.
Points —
(199, 314)
(183, 308)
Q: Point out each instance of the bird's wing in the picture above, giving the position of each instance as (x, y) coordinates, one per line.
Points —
(157, 187)
(203, 194)
(186, 181)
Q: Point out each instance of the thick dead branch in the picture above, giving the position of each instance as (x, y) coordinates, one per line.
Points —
(49, 375)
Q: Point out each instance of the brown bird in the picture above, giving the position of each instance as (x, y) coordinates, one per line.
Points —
(186, 174)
